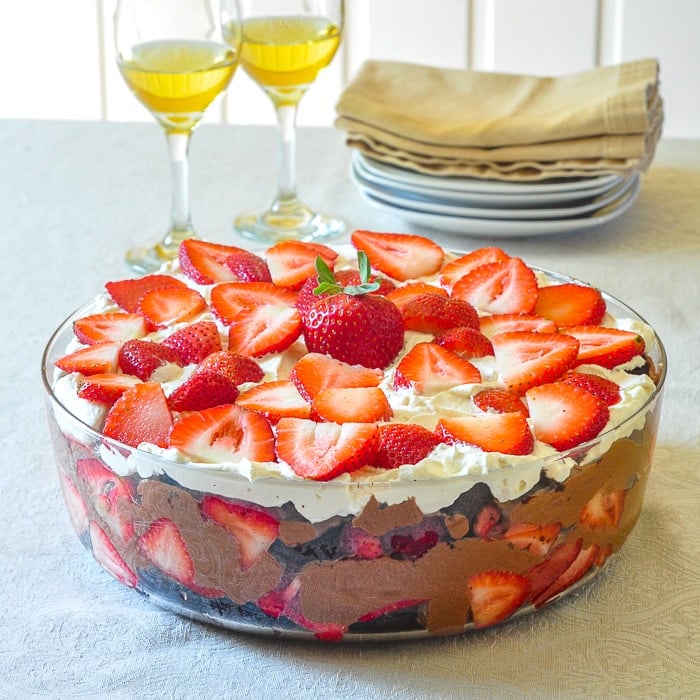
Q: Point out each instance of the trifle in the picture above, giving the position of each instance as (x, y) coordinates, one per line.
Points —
(379, 440)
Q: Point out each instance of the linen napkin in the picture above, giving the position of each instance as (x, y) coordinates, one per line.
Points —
(504, 126)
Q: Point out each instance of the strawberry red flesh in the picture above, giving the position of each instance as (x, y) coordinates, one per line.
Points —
(314, 372)
(429, 368)
(322, 451)
(495, 596)
(401, 256)
(205, 262)
(564, 416)
(526, 359)
(127, 293)
(570, 304)
(454, 270)
(499, 288)
(114, 327)
(253, 529)
(224, 434)
(141, 414)
(507, 433)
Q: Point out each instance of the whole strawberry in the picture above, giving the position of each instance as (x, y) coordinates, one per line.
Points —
(352, 324)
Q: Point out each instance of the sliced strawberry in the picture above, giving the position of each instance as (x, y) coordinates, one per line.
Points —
(94, 359)
(108, 557)
(543, 575)
(462, 266)
(564, 416)
(508, 433)
(402, 256)
(105, 388)
(224, 434)
(166, 305)
(163, 546)
(607, 347)
(291, 263)
(127, 293)
(403, 443)
(75, 504)
(400, 296)
(466, 342)
(488, 523)
(603, 388)
(495, 596)
(351, 405)
(570, 304)
(361, 544)
(500, 401)
(434, 313)
(229, 299)
(604, 510)
(253, 529)
(264, 329)
(533, 537)
(195, 342)
(115, 327)
(142, 358)
(248, 267)
(390, 608)
(205, 263)
(107, 493)
(238, 368)
(508, 287)
(526, 359)
(429, 368)
(315, 372)
(203, 390)
(322, 451)
(140, 414)
(584, 560)
(505, 323)
(275, 400)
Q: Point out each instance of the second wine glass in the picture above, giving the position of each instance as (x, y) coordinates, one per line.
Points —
(283, 46)
(174, 59)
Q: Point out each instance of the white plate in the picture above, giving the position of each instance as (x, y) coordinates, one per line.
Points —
(480, 227)
(477, 190)
(448, 207)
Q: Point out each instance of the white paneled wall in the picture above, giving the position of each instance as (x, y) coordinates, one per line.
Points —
(57, 57)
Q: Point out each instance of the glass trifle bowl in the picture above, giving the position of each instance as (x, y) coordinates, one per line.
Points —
(374, 554)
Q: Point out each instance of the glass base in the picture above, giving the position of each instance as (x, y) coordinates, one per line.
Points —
(280, 224)
(145, 260)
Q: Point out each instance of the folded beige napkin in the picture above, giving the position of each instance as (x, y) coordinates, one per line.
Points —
(482, 124)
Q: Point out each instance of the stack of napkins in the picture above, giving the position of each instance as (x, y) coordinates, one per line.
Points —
(504, 126)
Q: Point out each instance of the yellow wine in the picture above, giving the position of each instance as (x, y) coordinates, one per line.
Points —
(284, 54)
(178, 79)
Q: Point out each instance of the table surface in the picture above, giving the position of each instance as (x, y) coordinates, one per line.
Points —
(74, 196)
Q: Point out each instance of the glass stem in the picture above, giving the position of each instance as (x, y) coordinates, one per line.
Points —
(287, 185)
(178, 146)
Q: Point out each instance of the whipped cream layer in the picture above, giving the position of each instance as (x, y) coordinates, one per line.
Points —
(435, 482)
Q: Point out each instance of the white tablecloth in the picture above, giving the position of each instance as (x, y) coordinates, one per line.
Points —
(73, 196)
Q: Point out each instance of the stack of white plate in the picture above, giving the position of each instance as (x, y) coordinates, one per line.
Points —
(491, 207)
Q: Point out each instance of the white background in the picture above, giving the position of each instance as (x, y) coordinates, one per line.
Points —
(57, 56)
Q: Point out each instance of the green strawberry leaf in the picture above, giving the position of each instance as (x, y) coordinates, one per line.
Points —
(327, 283)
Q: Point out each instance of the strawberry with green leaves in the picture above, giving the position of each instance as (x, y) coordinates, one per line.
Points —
(351, 323)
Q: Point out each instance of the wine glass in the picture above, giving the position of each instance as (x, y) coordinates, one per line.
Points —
(174, 59)
(283, 46)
